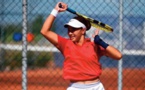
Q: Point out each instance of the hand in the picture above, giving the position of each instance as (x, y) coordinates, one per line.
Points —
(62, 9)
(96, 33)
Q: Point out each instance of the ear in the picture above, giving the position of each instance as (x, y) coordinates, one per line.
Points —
(83, 30)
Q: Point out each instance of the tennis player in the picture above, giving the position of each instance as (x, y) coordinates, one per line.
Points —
(81, 64)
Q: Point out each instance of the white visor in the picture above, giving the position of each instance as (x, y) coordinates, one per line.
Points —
(75, 23)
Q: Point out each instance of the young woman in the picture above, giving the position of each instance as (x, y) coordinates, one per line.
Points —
(81, 64)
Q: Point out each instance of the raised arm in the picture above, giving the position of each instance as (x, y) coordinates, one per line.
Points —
(114, 53)
(111, 51)
(45, 31)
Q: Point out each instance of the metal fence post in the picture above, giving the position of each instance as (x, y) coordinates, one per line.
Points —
(24, 47)
(120, 44)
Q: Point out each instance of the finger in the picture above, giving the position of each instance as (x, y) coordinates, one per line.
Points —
(62, 6)
(97, 32)
(93, 35)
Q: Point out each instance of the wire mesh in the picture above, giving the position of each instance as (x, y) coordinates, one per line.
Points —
(45, 62)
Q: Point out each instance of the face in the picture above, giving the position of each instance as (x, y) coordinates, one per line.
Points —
(75, 34)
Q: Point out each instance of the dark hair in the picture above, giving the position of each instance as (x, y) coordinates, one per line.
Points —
(84, 21)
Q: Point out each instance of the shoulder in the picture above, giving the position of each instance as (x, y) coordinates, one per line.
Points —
(62, 39)
(62, 42)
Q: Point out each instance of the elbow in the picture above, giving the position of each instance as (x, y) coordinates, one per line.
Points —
(42, 32)
(119, 56)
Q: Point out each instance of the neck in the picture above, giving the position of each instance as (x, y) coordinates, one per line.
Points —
(81, 41)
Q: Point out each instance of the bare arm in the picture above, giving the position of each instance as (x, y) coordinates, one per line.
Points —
(111, 51)
(45, 31)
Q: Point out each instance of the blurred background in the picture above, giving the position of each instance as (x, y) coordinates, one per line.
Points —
(44, 62)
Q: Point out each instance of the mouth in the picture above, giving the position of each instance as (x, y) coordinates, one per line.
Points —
(72, 37)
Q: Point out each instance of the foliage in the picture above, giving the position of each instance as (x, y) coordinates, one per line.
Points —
(34, 26)
(37, 24)
(9, 31)
(13, 59)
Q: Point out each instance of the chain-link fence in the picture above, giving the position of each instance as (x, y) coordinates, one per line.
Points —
(29, 61)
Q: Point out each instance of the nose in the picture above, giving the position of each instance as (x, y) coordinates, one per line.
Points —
(70, 32)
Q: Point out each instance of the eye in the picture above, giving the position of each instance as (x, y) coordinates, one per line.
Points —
(71, 30)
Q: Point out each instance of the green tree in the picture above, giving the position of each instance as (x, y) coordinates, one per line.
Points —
(9, 31)
(37, 24)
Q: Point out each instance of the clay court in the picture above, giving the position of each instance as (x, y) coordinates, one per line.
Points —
(51, 79)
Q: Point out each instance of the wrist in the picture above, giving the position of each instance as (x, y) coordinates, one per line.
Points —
(99, 41)
(54, 12)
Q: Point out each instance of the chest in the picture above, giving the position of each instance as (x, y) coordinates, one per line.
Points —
(84, 51)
